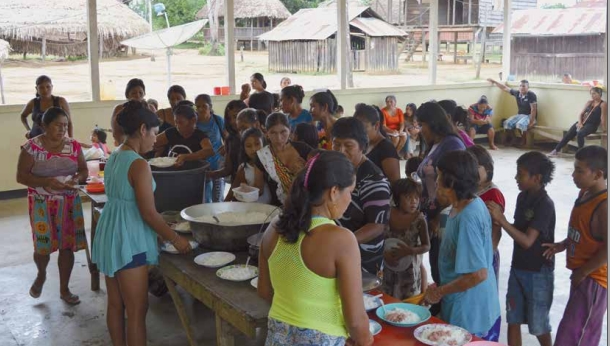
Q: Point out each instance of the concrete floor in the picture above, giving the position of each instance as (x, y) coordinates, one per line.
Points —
(48, 321)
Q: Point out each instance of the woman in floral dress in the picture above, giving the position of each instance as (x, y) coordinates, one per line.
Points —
(50, 165)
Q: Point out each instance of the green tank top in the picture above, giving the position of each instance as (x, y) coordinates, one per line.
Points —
(301, 297)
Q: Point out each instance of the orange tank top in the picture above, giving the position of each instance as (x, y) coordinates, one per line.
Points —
(582, 245)
(393, 122)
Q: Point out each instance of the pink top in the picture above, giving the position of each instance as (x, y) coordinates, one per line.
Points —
(466, 138)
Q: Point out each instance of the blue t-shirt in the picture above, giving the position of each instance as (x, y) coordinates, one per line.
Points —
(304, 117)
(466, 248)
(213, 129)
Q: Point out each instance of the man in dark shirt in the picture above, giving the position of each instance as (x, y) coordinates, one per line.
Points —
(530, 284)
(525, 118)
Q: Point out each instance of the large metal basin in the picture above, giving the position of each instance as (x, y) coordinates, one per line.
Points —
(223, 237)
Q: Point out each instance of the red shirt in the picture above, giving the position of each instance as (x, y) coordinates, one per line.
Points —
(493, 194)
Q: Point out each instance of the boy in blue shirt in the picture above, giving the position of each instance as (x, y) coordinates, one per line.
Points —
(530, 285)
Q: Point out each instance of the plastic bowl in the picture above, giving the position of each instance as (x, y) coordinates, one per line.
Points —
(422, 312)
(247, 194)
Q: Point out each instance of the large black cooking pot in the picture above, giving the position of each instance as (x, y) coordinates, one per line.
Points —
(179, 187)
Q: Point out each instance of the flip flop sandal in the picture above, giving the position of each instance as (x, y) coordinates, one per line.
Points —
(36, 291)
(71, 299)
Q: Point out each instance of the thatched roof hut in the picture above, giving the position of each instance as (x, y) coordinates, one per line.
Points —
(61, 25)
(5, 49)
(251, 9)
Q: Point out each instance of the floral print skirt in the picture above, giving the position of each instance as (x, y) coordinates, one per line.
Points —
(57, 223)
(281, 334)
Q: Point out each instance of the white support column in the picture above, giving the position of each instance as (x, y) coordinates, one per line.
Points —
(433, 37)
(606, 45)
(508, 17)
(230, 43)
(341, 36)
(93, 50)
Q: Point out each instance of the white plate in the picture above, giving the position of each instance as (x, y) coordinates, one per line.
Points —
(169, 248)
(254, 282)
(248, 272)
(162, 162)
(182, 227)
(422, 332)
(214, 259)
(404, 262)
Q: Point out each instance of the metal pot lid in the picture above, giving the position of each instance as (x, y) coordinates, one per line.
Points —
(255, 239)
(369, 282)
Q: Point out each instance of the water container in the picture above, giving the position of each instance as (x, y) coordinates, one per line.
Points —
(179, 188)
(217, 91)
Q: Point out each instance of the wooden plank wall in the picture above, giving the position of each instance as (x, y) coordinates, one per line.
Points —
(303, 56)
(548, 58)
(382, 54)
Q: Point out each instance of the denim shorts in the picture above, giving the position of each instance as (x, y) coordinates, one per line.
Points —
(529, 299)
(481, 129)
(137, 261)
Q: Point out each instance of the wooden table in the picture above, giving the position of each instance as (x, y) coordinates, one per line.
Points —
(98, 200)
(397, 336)
(237, 306)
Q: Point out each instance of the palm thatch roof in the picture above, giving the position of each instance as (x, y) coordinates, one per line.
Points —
(61, 19)
(251, 9)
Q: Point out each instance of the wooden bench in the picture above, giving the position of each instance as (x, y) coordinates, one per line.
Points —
(465, 58)
(598, 138)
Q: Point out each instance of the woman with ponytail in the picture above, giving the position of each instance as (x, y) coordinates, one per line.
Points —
(322, 107)
(126, 239)
(314, 290)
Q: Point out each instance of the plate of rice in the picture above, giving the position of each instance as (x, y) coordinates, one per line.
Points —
(237, 272)
(403, 314)
(442, 334)
(162, 162)
(169, 248)
(182, 227)
(214, 259)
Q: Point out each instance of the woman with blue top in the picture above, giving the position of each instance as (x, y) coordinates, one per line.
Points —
(126, 238)
(291, 99)
(212, 125)
(314, 290)
(467, 286)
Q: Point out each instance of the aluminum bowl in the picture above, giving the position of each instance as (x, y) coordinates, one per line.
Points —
(224, 237)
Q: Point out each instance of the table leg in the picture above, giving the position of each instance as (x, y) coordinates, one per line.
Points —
(225, 332)
(186, 324)
(95, 273)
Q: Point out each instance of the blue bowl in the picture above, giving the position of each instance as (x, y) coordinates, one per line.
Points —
(422, 312)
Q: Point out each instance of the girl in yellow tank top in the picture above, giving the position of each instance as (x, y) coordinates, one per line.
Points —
(314, 290)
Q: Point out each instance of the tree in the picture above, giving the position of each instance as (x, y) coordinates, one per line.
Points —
(178, 11)
(295, 5)
(553, 6)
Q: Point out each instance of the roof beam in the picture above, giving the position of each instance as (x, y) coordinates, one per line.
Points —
(93, 48)
(508, 17)
(230, 43)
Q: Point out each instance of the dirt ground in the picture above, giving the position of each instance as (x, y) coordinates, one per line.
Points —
(200, 74)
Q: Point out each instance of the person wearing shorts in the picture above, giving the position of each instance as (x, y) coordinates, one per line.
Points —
(479, 116)
(527, 105)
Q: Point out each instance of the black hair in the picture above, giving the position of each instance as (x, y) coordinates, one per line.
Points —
(42, 79)
(51, 114)
(261, 115)
(207, 99)
(535, 163)
(483, 159)
(134, 115)
(233, 105)
(351, 128)
(153, 102)
(595, 157)
(326, 99)
(598, 90)
(412, 165)
(460, 172)
(483, 100)
(251, 132)
(525, 81)
(411, 106)
(457, 115)
(185, 109)
(391, 97)
(367, 113)
(307, 133)
(285, 78)
(176, 89)
(276, 100)
(434, 115)
(381, 120)
(359, 104)
(339, 109)
(134, 83)
(277, 118)
(259, 77)
(262, 100)
(405, 187)
(100, 134)
(327, 170)
(294, 91)
(249, 115)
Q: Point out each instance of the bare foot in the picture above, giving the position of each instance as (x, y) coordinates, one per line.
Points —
(493, 147)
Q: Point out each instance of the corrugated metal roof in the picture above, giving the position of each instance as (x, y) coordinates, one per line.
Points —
(376, 27)
(321, 23)
(557, 22)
